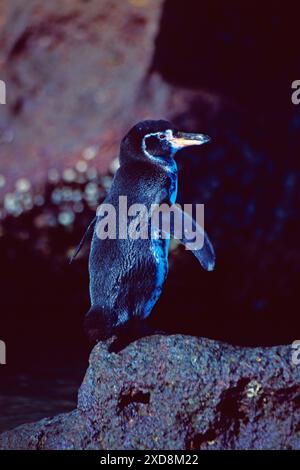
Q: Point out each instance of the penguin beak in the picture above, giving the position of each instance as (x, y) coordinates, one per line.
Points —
(184, 139)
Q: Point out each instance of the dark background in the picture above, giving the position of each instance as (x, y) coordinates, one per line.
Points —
(224, 68)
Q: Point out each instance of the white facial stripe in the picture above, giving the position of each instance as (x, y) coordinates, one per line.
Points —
(144, 146)
(168, 133)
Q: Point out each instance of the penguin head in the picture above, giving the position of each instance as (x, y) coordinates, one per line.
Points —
(157, 142)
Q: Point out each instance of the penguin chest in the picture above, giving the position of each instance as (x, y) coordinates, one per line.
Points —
(159, 252)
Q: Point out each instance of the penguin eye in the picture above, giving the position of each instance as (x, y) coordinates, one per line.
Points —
(161, 136)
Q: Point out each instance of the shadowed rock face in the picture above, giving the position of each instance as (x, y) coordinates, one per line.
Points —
(177, 392)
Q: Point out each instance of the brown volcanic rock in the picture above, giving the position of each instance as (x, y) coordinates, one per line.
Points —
(177, 392)
(74, 73)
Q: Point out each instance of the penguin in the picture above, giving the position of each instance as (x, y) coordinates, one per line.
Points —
(127, 275)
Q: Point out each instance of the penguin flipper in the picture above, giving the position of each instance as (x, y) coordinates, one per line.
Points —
(83, 240)
(205, 254)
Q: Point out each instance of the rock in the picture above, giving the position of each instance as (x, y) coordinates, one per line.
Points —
(177, 392)
(74, 76)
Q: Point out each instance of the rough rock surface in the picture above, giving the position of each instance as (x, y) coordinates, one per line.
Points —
(177, 392)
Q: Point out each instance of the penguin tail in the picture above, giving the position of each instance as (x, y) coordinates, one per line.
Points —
(99, 324)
